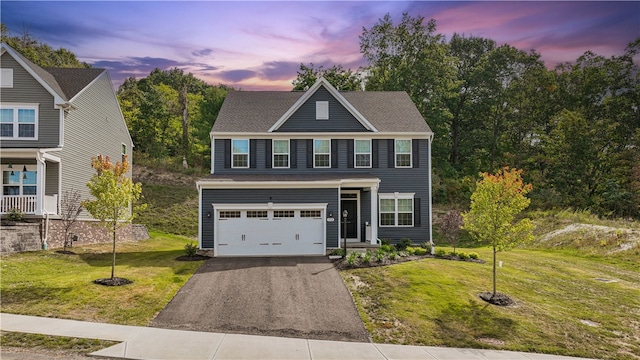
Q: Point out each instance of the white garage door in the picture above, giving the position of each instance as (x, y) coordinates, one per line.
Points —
(270, 232)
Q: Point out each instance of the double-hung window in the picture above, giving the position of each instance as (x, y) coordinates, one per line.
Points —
(396, 209)
(321, 153)
(280, 153)
(362, 153)
(19, 121)
(403, 153)
(240, 153)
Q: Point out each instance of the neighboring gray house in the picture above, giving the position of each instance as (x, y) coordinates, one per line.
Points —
(52, 121)
(286, 165)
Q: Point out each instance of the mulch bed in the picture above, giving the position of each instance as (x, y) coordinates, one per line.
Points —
(341, 264)
(116, 281)
(499, 299)
(193, 258)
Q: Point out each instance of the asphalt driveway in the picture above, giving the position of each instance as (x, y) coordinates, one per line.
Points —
(281, 296)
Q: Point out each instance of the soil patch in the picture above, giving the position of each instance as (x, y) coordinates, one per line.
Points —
(499, 299)
(116, 281)
(65, 252)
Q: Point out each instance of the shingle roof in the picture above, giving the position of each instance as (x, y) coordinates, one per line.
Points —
(257, 111)
(289, 177)
(73, 80)
(66, 82)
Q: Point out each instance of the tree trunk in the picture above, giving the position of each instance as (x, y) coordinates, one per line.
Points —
(113, 262)
(494, 272)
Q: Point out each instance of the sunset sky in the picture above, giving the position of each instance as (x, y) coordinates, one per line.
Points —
(260, 45)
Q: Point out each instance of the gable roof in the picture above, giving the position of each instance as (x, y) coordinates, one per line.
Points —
(62, 83)
(264, 111)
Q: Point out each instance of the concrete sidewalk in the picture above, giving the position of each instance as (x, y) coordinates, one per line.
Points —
(153, 343)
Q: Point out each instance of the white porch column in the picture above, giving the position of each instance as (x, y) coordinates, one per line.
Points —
(374, 214)
(213, 153)
(40, 183)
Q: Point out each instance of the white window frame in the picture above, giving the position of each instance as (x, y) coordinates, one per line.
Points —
(396, 153)
(318, 153)
(123, 150)
(396, 196)
(273, 154)
(233, 153)
(17, 170)
(355, 153)
(16, 124)
(322, 110)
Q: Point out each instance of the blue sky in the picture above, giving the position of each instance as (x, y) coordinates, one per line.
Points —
(260, 45)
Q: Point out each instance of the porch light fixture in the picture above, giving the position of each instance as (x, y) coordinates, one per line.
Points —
(24, 168)
(10, 166)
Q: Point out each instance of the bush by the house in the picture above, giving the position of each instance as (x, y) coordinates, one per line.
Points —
(441, 253)
(191, 249)
(474, 255)
(402, 245)
(352, 258)
(366, 257)
(387, 249)
(420, 251)
(463, 255)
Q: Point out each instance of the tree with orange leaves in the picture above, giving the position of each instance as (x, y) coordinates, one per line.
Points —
(495, 203)
(114, 194)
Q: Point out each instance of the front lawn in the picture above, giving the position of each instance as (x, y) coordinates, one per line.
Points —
(46, 283)
(566, 304)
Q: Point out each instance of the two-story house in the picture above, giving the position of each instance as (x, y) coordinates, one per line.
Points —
(52, 121)
(287, 166)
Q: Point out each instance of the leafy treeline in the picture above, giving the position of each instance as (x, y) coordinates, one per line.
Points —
(575, 130)
(39, 53)
(170, 114)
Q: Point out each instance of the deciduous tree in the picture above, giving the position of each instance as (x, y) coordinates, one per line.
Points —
(450, 226)
(495, 205)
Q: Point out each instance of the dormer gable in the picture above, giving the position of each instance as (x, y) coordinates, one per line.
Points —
(322, 108)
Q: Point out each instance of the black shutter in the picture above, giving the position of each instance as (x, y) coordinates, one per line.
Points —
(293, 154)
(252, 153)
(350, 151)
(268, 147)
(374, 153)
(416, 212)
(309, 153)
(227, 153)
(415, 153)
(391, 152)
(334, 154)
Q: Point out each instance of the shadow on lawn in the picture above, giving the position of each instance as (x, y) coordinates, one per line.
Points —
(28, 293)
(137, 259)
(472, 325)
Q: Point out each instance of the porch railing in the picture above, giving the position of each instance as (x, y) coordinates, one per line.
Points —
(25, 204)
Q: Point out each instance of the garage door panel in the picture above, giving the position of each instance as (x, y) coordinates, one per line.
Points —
(282, 232)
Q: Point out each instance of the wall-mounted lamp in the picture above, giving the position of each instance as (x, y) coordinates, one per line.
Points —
(345, 213)
(10, 166)
(330, 214)
(208, 214)
(24, 168)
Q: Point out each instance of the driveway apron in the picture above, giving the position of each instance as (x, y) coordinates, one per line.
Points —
(301, 297)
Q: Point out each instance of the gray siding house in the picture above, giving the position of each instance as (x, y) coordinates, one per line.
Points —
(287, 166)
(52, 121)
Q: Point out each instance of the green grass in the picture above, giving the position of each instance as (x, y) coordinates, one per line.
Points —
(55, 343)
(170, 208)
(435, 302)
(49, 284)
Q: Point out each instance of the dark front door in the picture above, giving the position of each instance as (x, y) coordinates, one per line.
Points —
(352, 218)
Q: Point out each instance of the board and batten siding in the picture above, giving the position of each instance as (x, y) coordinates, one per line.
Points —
(304, 119)
(264, 196)
(95, 127)
(27, 90)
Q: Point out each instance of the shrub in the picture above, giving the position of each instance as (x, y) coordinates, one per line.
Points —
(420, 251)
(402, 245)
(380, 255)
(352, 259)
(339, 252)
(191, 249)
(427, 246)
(463, 255)
(386, 248)
(411, 250)
(393, 256)
(366, 257)
(385, 242)
(474, 255)
(15, 215)
(440, 253)
(453, 253)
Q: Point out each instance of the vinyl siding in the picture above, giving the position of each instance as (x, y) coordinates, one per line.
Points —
(405, 180)
(304, 119)
(263, 196)
(95, 127)
(26, 89)
(52, 179)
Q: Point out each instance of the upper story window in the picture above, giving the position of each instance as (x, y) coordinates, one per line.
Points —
(362, 153)
(124, 152)
(322, 110)
(19, 121)
(321, 153)
(403, 153)
(280, 153)
(6, 78)
(240, 153)
(396, 209)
